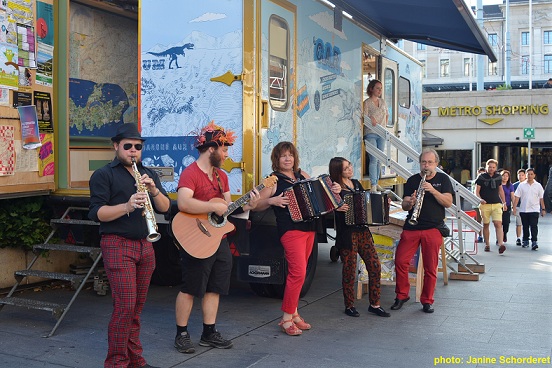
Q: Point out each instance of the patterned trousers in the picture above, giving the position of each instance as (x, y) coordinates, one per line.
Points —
(363, 244)
(129, 265)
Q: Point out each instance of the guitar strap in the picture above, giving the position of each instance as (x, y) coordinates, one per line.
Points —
(219, 182)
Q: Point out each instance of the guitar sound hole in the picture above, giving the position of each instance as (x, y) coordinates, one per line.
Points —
(217, 219)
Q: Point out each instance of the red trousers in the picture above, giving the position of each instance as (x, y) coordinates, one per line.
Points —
(430, 241)
(297, 250)
(129, 265)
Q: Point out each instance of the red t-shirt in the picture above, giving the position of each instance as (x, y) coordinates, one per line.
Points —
(204, 189)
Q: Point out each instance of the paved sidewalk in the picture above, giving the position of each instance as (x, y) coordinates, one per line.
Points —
(506, 315)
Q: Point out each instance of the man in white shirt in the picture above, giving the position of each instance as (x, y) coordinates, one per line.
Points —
(531, 194)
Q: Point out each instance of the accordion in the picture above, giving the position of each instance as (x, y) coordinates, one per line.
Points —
(311, 198)
(366, 208)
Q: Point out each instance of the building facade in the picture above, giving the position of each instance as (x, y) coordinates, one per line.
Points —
(447, 70)
(467, 127)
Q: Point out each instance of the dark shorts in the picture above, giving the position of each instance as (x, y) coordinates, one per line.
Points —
(209, 275)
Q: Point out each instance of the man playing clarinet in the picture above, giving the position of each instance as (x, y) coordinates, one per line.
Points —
(427, 194)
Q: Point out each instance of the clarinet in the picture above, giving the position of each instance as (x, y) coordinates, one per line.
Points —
(419, 201)
(153, 235)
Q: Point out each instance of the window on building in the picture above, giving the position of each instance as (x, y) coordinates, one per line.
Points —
(444, 68)
(278, 50)
(424, 72)
(524, 38)
(547, 64)
(493, 39)
(467, 67)
(421, 46)
(548, 37)
(525, 64)
(493, 69)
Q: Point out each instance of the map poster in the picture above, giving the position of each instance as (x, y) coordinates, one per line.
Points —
(46, 155)
(43, 104)
(7, 150)
(29, 127)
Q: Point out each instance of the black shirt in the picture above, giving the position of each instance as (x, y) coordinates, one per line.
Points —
(113, 184)
(489, 187)
(432, 213)
(283, 218)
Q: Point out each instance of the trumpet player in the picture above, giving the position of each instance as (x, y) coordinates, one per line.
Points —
(128, 256)
(427, 194)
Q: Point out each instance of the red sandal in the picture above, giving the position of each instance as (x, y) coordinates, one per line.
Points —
(292, 330)
(301, 323)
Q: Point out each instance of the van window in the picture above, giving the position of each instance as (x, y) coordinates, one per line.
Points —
(404, 92)
(278, 63)
(389, 94)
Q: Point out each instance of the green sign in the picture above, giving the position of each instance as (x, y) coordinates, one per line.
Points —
(529, 133)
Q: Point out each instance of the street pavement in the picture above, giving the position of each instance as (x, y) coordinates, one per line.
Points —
(502, 319)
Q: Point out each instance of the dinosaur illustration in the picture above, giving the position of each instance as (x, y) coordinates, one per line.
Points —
(173, 52)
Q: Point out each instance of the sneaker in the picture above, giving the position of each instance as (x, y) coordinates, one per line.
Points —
(525, 244)
(480, 239)
(518, 242)
(374, 189)
(534, 246)
(215, 340)
(505, 238)
(184, 344)
(501, 249)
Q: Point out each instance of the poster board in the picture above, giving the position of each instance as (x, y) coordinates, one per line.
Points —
(26, 58)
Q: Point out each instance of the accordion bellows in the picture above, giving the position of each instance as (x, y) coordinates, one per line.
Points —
(311, 198)
(366, 208)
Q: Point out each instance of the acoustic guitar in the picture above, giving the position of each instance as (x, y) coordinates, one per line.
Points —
(200, 235)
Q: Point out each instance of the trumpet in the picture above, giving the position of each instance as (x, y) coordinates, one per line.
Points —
(419, 200)
(153, 235)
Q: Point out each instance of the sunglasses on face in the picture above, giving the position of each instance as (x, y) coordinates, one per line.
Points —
(137, 146)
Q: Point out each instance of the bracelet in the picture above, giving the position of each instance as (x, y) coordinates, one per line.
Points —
(126, 209)
(156, 194)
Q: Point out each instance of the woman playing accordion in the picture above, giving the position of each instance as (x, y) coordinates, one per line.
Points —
(353, 239)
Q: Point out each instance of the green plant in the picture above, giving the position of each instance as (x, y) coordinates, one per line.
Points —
(503, 87)
(24, 221)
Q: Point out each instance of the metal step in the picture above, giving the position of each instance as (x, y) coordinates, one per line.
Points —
(56, 309)
(75, 279)
(92, 251)
(73, 222)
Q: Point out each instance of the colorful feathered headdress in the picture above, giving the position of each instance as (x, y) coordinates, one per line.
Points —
(213, 135)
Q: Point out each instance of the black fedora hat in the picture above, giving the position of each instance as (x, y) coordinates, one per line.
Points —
(129, 131)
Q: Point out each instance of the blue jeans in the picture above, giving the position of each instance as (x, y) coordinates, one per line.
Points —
(374, 166)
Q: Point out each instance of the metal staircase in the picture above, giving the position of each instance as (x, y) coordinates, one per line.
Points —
(454, 247)
(77, 281)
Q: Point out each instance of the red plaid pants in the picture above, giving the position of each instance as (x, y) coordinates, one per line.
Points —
(129, 265)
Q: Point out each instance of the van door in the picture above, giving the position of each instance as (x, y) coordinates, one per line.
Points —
(276, 88)
(389, 79)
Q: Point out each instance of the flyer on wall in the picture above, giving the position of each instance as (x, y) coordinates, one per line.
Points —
(29, 127)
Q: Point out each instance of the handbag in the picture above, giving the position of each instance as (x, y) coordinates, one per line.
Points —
(444, 230)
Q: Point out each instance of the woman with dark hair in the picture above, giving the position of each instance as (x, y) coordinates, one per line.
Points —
(351, 240)
(509, 196)
(375, 113)
(297, 238)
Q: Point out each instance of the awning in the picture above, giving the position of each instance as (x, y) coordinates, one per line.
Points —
(429, 139)
(446, 24)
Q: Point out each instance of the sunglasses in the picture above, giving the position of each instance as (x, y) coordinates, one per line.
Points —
(137, 146)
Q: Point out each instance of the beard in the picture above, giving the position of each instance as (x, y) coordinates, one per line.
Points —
(215, 159)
